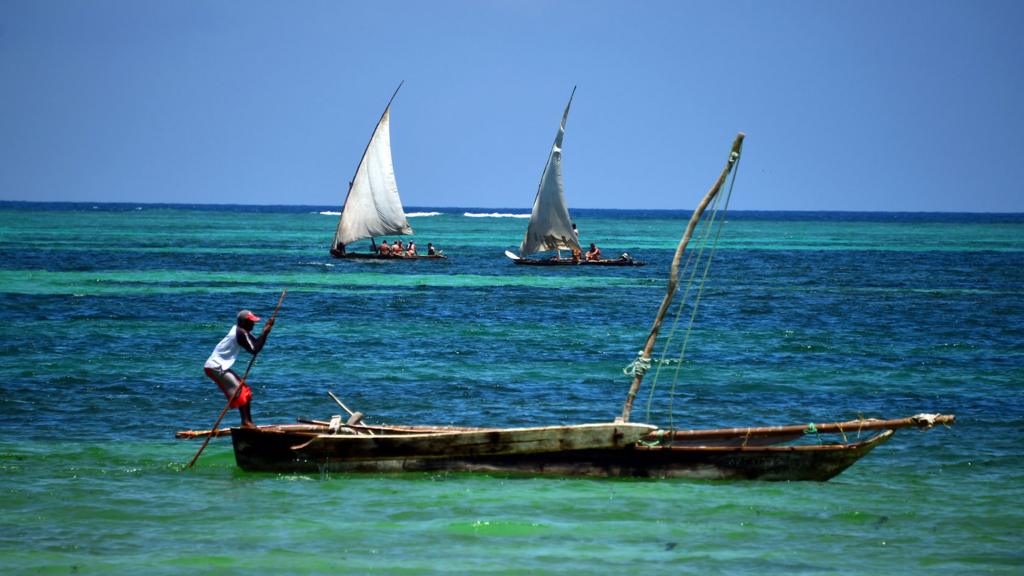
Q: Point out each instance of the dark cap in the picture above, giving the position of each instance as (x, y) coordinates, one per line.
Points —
(247, 315)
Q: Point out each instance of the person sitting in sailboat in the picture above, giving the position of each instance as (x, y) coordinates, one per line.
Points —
(385, 250)
(411, 252)
(594, 254)
(396, 248)
(430, 249)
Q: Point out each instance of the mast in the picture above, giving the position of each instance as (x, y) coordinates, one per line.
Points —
(375, 126)
(673, 277)
(550, 227)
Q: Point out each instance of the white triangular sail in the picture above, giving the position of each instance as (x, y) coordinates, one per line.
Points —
(550, 227)
(372, 207)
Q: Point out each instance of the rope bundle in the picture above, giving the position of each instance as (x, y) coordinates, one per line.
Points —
(640, 366)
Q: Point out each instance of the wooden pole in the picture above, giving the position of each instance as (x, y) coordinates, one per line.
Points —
(923, 421)
(237, 390)
(673, 277)
(189, 434)
(345, 408)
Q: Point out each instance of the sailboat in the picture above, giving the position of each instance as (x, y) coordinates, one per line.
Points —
(550, 227)
(617, 448)
(372, 207)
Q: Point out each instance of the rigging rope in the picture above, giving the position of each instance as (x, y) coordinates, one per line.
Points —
(693, 259)
(696, 305)
(811, 429)
(710, 226)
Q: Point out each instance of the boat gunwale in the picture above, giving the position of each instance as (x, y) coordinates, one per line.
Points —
(445, 432)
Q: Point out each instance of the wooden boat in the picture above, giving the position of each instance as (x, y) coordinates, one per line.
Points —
(615, 449)
(623, 260)
(594, 450)
(550, 227)
(374, 256)
(372, 206)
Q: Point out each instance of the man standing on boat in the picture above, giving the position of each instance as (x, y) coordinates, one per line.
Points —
(218, 365)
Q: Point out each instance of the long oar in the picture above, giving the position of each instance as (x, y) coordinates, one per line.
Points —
(237, 390)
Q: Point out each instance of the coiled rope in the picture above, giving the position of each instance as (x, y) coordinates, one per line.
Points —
(639, 366)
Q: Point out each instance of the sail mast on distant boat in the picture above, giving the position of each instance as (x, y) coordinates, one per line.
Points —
(550, 227)
(372, 206)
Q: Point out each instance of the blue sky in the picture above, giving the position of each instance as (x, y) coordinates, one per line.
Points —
(867, 105)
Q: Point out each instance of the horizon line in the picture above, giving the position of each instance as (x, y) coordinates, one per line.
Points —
(492, 208)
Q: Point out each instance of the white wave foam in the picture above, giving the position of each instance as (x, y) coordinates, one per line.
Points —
(494, 215)
(409, 214)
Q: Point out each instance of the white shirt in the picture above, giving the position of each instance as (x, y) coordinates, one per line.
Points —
(226, 351)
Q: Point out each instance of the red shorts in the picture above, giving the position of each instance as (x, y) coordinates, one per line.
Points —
(244, 395)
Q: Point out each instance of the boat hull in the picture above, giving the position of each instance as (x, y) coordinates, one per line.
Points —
(288, 448)
(274, 449)
(770, 463)
(571, 262)
(371, 256)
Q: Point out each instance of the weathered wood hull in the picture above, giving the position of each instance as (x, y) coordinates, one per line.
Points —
(774, 463)
(283, 449)
(286, 447)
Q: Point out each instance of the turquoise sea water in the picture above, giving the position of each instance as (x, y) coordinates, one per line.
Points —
(110, 310)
